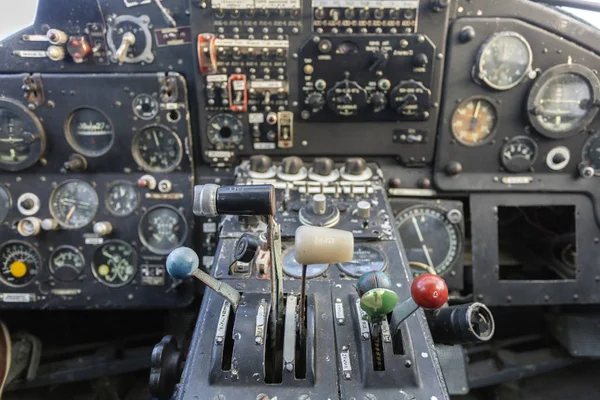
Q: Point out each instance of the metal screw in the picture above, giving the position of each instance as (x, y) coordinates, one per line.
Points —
(341, 321)
(365, 336)
(262, 396)
(344, 348)
(289, 367)
(258, 340)
(346, 375)
(220, 397)
(219, 340)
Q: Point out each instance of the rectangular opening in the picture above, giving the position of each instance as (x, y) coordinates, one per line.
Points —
(377, 348)
(301, 349)
(228, 342)
(397, 340)
(274, 352)
(537, 243)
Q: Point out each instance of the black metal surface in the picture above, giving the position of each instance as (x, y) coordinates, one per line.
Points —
(253, 200)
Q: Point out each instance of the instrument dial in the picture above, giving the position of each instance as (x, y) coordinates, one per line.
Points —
(564, 100)
(366, 259)
(504, 60)
(145, 106)
(474, 121)
(5, 203)
(122, 199)
(518, 154)
(66, 263)
(74, 204)
(292, 268)
(225, 130)
(115, 264)
(429, 238)
(157, 148)
(162, 229)
(89, 132)
(22, 137)
(21, 263)
(591, 153)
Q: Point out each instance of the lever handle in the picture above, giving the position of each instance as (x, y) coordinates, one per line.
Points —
(315, 245)
(211, 200)
(183, 262)
(127, 41)
(427, 291)
(376, 297)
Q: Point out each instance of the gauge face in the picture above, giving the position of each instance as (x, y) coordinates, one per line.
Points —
(474, 121)
(561, 103)
(429, 238)
(225, 130)
(74, 204)
(90, 132)
(162, 229)
(122, 199)
(115, 263)
(519, 154)
(292, 268)
(591, 152)
(366, 259)
(66, 263)
(5, 203)
(145, 106)
(156, 148)
(130, 33)
(21, 263)
(22, 137)
(504, 60)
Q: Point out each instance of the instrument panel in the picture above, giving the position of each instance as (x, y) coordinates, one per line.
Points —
(94, 186)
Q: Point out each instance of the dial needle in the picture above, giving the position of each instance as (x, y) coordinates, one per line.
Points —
(420, 235)
(71, 211)
(156, 139)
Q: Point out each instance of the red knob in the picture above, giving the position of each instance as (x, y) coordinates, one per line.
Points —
(429, 291)
(142, 183)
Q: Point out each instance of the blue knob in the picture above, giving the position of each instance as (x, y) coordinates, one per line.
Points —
(182, 262)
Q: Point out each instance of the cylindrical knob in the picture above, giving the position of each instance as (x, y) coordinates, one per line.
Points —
(29, 226)
(429, 291)
(56, 36)
(323, 166)
(147, 181)
(211, 200)
(420, 60)
(586, 171)
(76, 163)
(49, 224)
(363, 209)
(464, 323)
(56, 53)
(291, 165)
(260, 163)
(378, 101)
(319, 204)
(314, 245)
(103, 228)
(246, 248)
(355, 166)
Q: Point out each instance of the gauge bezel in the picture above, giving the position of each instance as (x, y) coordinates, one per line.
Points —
(31, 247)
(456, 226)
(143, 22)
(153, 249)
(5, 189)
(112, 185)
(585, 149)
(489, 137)
(521, 137)
(226, 144)
(371, 248)
(138, 114)
(65, 247)
(69, 135)
(478, 67)
(135, 151)
(576, 69)
(53, 212)
(135, 263)
(28, 117)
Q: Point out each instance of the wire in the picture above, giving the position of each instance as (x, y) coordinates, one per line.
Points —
(580, 4)
(421, 265)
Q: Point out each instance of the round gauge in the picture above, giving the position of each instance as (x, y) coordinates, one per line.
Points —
(429, 237)
(366, 259)
(563, 101)
(162, 229)
(74, 204)
(5, 203)
(474, 121)
(21, 263)
(66, 263)
(503, 60)
(591, 153)
(89, 132)
(518, 154)
(22, 136)
(145, 106)
(156, 148)
(115, 263)
(292, 268)
(129, 39)
(225, 130)
(122, 199)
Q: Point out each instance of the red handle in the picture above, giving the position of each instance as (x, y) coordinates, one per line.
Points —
(429, 291)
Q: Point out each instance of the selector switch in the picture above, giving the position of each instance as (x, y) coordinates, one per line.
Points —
(420, 60)
(323, 166)
(355, 166)
(378, 101)
(363, 209)
(315, 101)
(260, 163)
(319, 204)
(291, 165)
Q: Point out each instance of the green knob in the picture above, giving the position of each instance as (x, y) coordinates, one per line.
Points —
(378, 303)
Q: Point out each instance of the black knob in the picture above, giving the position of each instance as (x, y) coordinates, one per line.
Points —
(291, 165)
(355, 166)
(27, 204)
(315, 100)
(246, 248)
(260, 163)
(454, 168)
(439, 5)
(378, 101)
(76, 163)
(466, 34)
(558, 158)
(323, 166)
(165, 368)
(420, 60)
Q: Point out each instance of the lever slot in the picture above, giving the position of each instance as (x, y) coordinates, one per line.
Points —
(301, 340)
(377, 348)
(228, 341)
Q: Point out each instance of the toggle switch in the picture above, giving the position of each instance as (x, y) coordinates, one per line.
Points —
(103, 228)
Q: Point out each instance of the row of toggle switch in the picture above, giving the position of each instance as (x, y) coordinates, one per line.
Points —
(322, 166)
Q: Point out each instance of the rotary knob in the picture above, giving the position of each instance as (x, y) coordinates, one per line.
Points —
(291, 165)
(346, 98)
(260, 163)
(315, 101)
(323, 166)
(355, 166)
(378, 101)
(411, 100)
